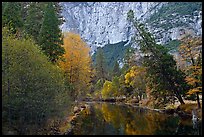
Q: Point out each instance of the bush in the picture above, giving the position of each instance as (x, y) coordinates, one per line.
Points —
(32, 87)
(109, 90)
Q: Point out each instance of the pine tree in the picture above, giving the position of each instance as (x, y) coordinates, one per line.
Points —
(129, 59)
(11, 16)
(50, 37)
(58, 9)
(34, 20)
(163, 76)
(116, 69)
(100, 65)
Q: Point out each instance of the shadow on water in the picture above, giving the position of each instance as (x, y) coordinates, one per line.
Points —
(112, 119)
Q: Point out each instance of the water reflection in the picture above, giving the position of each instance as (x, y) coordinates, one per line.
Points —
(111, 119)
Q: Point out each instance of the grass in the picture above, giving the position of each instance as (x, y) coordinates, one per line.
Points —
(188, 107)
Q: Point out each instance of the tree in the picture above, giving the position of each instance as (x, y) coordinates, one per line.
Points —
(161, 68)
(11, 16)
(129, 58)
(50, 37)
(135, 77)
(34, 18)
(132, 57)
(116, 69)
(77, 64)
(32, 87)
(100, 66)
(109, 90)
(58, 9)
(191, 51)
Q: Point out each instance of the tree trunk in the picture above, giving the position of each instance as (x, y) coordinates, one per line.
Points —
(179, 98)
(140, 95)
(198, 101)
(8, 89)
(9, 109)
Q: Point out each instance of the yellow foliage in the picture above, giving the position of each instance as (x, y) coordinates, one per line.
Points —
(191, 80)
(135, 77)
(194, 90)
(127, 77)
(132, 120)
(190, 50)
(77, 61)
(109, 90)
(188, 107)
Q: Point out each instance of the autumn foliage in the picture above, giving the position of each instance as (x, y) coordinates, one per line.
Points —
(77, 63)
(135, 78)
(109, 89)
(191, 53)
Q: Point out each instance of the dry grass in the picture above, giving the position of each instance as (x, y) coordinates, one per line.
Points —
(188, 107)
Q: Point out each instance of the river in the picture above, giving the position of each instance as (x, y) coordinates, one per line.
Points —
(114, 119)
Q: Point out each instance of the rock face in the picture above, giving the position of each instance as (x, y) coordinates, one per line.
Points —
(100, 23)
(174, 20)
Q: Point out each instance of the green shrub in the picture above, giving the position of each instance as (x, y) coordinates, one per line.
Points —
(32, 87)
(109, 90)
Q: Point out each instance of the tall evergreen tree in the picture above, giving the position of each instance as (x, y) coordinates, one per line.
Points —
(100, 65)
(163, 76)
(34, 19)
(116, 69)
(58, 9)
(129, 59)
(50, 37)
(11, 15)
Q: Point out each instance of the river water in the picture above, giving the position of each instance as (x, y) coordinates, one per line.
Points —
(112, 119)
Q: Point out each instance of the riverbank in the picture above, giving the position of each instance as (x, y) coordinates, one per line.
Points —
(184, 111)
(83, 107)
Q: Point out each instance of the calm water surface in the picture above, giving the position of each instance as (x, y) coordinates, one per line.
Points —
(112, 119)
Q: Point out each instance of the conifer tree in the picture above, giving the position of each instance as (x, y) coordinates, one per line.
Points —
(50, 37)
(100, 66)
(116, 69)
(11, 16)
(163, 76)
(34, 20)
